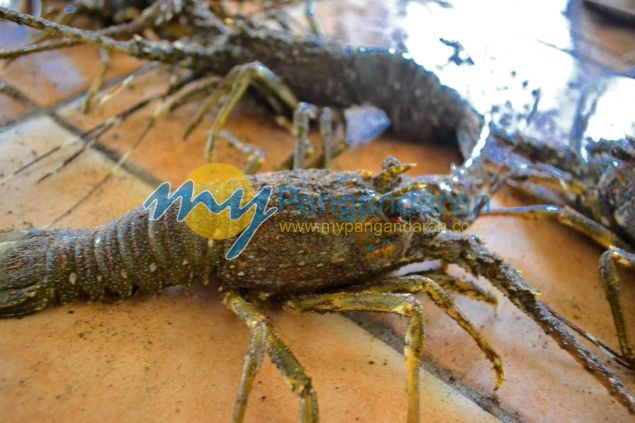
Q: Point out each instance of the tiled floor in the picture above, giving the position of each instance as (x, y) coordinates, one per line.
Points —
(178, 356)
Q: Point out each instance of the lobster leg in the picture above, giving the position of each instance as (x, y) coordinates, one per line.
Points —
(230, 91)
(611, 283)
(614, 255)
(41, 42)
(255, 155)
(264, 338)
(387, 296)
(463, 287)
(303, 146)
(566, 216)
(154, 15)
(469, 253)
(302, 116)
(314, 24)
(528, 178)
(98, 81)
(411, 283)
(404, 304)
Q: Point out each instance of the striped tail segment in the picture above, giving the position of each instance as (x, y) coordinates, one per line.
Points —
(43, 267)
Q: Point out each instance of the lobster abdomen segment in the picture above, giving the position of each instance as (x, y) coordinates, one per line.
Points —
(42, 267)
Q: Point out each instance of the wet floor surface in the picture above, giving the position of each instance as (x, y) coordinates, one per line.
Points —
(178, 356)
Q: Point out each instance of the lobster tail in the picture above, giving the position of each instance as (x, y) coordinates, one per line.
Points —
(24, 288)
(42, 267)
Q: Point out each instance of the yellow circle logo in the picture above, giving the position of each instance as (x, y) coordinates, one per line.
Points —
(222, 181)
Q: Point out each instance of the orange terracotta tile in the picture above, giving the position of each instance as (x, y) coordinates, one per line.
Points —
(178, 356)
(603, 39)
(10, 108)
(36, 147)
(13, 35)
(54, 76)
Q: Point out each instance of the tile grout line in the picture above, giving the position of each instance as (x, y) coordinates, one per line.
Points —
(109, 153)
(35, 109)
(51, 112)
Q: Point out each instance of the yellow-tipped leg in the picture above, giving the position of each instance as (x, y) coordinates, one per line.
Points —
(264, 338)
(314, 24)
(98, 81)
(611, 281)
(226, 95)
(404, 304)
(463, 287)
(429, 284)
